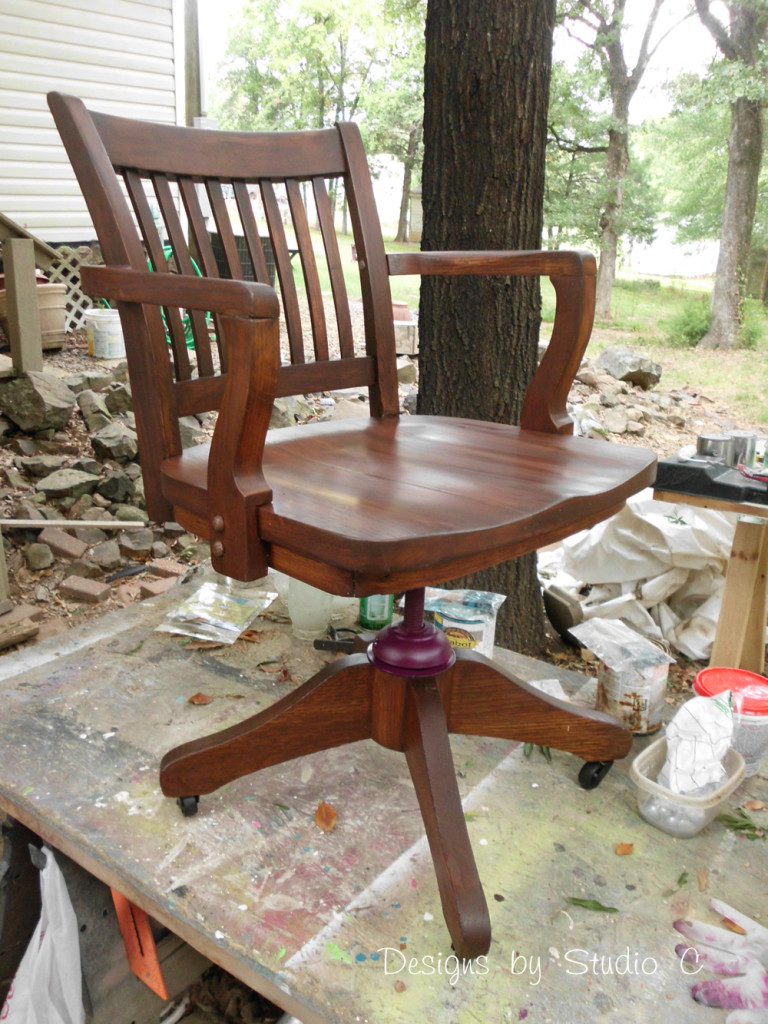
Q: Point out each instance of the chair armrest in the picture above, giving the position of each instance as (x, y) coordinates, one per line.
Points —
(461, 263)
(212, 294)
(249, 321)
(573, 278)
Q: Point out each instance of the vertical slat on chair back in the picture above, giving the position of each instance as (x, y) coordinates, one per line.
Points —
(250, 187)
(148, 363)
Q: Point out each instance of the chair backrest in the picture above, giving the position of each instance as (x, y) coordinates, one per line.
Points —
(134, 173)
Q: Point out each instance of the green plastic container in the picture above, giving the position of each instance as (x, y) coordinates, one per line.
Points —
(376, 610)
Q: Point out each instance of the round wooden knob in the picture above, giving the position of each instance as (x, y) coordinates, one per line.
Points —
(218, 523)
(218, 549)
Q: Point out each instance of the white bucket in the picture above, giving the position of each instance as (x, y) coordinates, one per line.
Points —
(105, 334)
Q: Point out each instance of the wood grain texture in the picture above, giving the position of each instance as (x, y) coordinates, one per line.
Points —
(335, 272)
(234, 476)
(251, 231)
(377, 299)
(425, 509)
(183, 259)
(486, 700)
(309, 269)
(224, 227)
(202, 395)
(352, 701)
(230, 298)
(166, 149)
(135, 188)
(330, 709)
(428, 754)
(740, 635)
(284, 271)
(573, 278)
(461, 263)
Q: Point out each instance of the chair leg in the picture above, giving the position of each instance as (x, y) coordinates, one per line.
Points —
(330, 709)
(485, 700)
(428, 755)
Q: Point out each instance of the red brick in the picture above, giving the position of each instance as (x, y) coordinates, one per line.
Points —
(153, 588)
(76, 588)
(167, 567)
(62, 543)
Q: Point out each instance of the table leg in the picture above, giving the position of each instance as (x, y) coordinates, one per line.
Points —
(740, 637)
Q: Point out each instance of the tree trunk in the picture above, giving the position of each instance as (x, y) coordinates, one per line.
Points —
(610, 219)
(487, 73)
(412, 151)
(745, 151)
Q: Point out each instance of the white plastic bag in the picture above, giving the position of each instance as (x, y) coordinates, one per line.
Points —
(698, 738)
(47, 988)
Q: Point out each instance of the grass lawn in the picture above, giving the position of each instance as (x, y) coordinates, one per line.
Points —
(644, 311)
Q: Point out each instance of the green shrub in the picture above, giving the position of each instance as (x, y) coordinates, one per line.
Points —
(640, 284)
(691, 322)
(753, 323)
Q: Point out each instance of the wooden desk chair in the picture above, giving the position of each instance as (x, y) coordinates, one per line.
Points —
(382, 505)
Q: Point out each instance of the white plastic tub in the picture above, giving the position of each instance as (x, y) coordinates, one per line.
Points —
(105, 334)
(675, 813)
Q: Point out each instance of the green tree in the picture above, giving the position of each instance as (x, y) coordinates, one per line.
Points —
(577, 189)
(741, 76)
(601, 26)
(303, 65)
(690, 159)
(394, 109)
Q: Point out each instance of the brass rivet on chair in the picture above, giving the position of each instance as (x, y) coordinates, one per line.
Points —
(218, 549)
(218, 523)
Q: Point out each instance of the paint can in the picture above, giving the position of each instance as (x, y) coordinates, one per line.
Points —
(105, 334)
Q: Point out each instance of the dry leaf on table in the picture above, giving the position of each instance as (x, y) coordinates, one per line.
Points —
(202, 645)
(325, 817)
(624, 849)
(703, 878)
(755, 805)
(199, 698)
(733, 927)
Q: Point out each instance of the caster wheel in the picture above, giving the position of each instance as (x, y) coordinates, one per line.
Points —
(593, 772)
(188, 805)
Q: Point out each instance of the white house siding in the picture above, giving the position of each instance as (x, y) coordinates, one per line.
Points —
(119, 56)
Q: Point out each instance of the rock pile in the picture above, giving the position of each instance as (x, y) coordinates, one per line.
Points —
(615, 395)
(69, 452)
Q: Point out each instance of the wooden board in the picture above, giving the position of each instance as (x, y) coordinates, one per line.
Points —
(303, 916)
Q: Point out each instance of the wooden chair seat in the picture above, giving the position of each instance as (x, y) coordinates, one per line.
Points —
(380, 496)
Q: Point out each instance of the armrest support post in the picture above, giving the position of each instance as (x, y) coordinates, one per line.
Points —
(236, 484)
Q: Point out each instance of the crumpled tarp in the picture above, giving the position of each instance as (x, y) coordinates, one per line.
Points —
(660, 567)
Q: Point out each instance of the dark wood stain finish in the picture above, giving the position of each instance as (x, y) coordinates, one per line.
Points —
(356, 507)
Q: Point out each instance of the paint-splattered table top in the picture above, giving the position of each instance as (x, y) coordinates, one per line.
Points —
(345, 926)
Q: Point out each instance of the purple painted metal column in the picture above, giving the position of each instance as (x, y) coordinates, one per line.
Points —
(413, 647)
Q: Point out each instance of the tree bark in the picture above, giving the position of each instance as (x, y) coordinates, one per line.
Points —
(745, 153)
(610, 219)
(412, 151)
(741, 45)
(487, 75)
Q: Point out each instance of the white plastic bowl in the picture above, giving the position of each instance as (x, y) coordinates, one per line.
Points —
(675, 813)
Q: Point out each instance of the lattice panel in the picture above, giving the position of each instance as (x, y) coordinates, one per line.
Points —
(66, 270)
